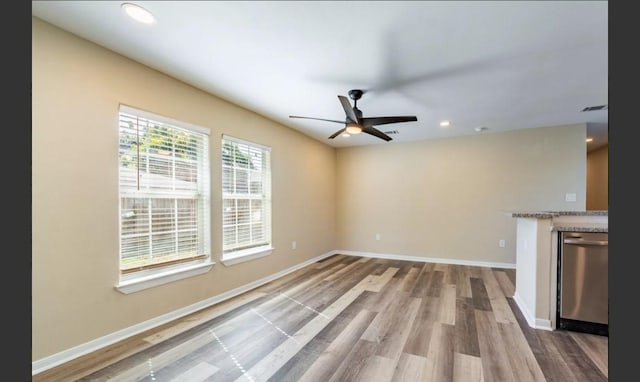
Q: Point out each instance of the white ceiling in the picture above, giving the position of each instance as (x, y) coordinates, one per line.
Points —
(503, 65)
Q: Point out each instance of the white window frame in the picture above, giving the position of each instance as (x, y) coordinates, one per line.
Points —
(231, 257)
(150, 277)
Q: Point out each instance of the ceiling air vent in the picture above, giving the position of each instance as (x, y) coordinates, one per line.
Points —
(391, 132)
(592, 108)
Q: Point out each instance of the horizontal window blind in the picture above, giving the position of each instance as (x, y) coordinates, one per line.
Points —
(164, 190)
(246, 194)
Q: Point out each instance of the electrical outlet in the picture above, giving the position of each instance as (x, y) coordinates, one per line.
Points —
(294, 245)
(570, 197)
(501, 243)
(377, 236)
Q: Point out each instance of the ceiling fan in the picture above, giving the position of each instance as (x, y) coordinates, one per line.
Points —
(355, 123)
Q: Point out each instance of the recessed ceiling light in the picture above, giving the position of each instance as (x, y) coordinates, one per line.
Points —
(589, 139)
(445, 123)
(480, 129)
(346, 134)
(138, 13)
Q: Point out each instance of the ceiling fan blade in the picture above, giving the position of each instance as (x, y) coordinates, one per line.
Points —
(377, 133)
(374, 121)
(337, 133)
(348, 110)
(318, 119)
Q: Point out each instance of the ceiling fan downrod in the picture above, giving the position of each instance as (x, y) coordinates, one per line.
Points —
(355, 95)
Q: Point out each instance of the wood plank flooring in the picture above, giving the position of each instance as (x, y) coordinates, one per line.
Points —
(351, 318)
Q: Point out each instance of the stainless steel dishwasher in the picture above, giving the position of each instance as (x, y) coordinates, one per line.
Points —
(584, 282)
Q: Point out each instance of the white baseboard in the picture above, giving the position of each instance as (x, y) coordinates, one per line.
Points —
(524, 310)
(46, 363)
(536, 323)
(428, 259)
(544, 324)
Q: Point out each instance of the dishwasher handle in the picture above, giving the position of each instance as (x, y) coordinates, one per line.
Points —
(586, 242)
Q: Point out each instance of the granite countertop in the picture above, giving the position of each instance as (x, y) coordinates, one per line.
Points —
(581, 227)
(565, 224)
(551, 214)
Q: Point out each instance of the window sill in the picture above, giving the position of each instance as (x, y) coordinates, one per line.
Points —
(246, 255)
(160, 278)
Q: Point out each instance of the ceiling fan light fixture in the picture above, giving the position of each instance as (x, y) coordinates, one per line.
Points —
(353, 128)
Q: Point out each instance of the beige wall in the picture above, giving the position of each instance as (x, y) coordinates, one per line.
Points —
(77, 87)
(598, 179)
(448, 198)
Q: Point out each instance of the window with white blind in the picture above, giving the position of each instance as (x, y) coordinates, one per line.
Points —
(164, 198)
(246, 200)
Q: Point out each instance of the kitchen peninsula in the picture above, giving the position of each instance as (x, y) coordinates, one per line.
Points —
(537, 258)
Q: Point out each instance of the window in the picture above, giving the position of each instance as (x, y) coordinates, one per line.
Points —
(246, 200)
(164, 199)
